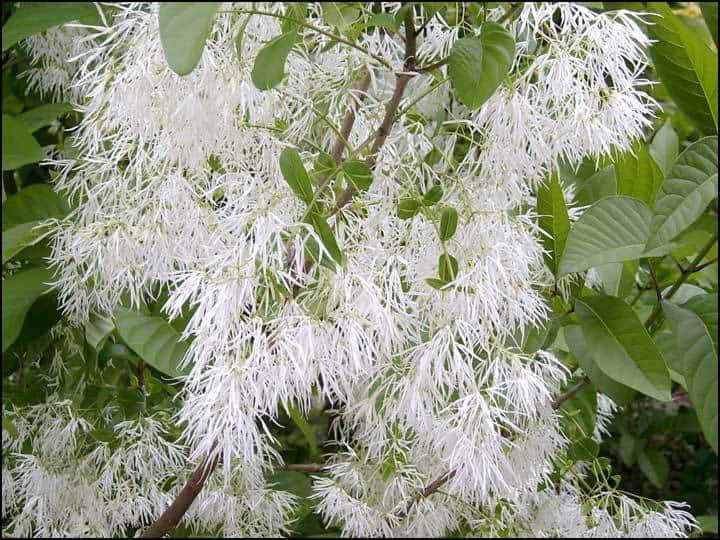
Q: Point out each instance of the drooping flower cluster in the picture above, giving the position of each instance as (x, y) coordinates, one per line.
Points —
(178, 185)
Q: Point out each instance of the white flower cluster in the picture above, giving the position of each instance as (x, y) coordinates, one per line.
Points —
(177, 184)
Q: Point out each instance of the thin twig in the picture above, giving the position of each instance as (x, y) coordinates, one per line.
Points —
(303, 467)
(562, 398)
(16, 60)
(436, 65)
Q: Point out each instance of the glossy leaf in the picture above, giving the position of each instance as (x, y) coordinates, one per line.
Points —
(448, 267)
(687, 190)
(153, 339)
(477, 65)
(621, 346)
(599, 185)
(184, 28)
(43, 115)
(614, 229)
(19, 293)
(408, 207)
(710, 14)
(698, 361)
(686, 66)
(19, 147)
(665, 147)
(705, 306)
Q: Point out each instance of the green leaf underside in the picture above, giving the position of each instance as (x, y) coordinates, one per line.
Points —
(689, 187)
(153, 339)
(621, 346)
(614, 229)
(698, 361)
(184, 28)
(19, 293)
(477, 65)
(19, 147)
(619, 393)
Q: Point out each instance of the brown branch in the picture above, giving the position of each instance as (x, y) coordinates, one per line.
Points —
(303, 467)
(570, 393)
(16, 60)
(705, 265)
(349, 121)
(436, 65)
(393, 105)
(172, 516)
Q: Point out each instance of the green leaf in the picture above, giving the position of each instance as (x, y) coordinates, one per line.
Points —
(19, 293)
(448, 223)
(33, 17)
(17, 238)
(408, 207)
(618, 279)
(97, 329)
(326, 235)
(19, 147)
(638, 175)
(698, 361)
(554, 220)
(619, 393)
(44, 115)
(614, 229)
(293, 170)
(710, 14)
(582, 410)
(477, 65)
(447, 267)
(665, 147)
(325, 165)
(708, 523)
(435, 283)
(705, 306)
(628, 448)
(296, 11)
(384, 20)
(654, 465)
(33, 203)
(433, 195)
(307, 430)
(689, 187)
(153, 339)
(621, 346)
(358, 174)
(686, 66)
(269, 68)
(601, 184)
(184, 28)
(339, 14)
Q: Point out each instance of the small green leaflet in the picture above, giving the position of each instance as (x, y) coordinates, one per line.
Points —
(447, 267)
(269, 68)
(433, 195)
(184, 28)
(327, 236)
(408, 207)
(358, 174)
(477, 65)
(621, 346)
(293, 170)
(448, 223)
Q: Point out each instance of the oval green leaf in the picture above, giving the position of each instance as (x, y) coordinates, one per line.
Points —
(19, 147)
(554, 220)
(19, 293)
(17, 238)
(358, 174)
(293, 170)
(184, 28)
(477, 65)
(687, 190)
(614, 229)
(638, 175)
(269, 68)
(696, 354)
(621, 346)
(153, 339)
(448, 223)
(33, 203)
